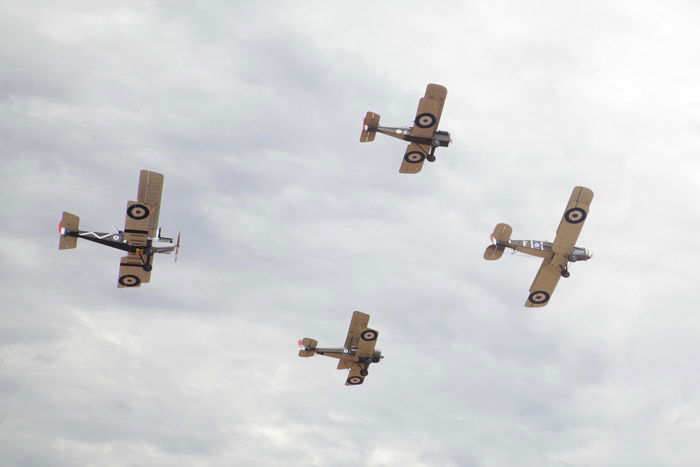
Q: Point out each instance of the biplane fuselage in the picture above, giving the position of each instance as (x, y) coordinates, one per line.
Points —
(438, 139)
(544, 249)
(117, 240)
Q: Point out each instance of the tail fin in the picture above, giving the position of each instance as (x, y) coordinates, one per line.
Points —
(308, 347)
(69, 222)
(501, 233)
(369, 127)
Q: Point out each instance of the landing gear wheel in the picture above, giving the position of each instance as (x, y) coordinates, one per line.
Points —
(353, 380)
(575, 215)
(138, 211)
(369, 335)
(147, 267)
(430, 157)
(565, 273)
(364, 372)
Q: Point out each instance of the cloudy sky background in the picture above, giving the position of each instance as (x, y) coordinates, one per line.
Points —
(253, 112)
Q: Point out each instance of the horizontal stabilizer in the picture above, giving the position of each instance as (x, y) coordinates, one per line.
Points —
(494, 252)
(369, 127)
(69, 222)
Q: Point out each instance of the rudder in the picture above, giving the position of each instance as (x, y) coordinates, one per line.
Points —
(307, 343)
(501, 232)
(369, 127)
(69, 223)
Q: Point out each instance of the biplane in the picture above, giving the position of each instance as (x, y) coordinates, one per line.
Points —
(423, 136)
(138, 238)
(356, 355)
(556, 255)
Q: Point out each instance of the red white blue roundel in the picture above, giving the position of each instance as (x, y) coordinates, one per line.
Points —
(129, 280)
(138, 211)
(414, 157)
(575, 215)
(368, 335)
(538, 297)
(355, 380)
(425, 120)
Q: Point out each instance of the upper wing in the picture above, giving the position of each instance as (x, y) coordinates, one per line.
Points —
(131, 272)
(413, 159)
(358, 323)
(572, 221)
(150, 192)
(429, 111)
(545, 281)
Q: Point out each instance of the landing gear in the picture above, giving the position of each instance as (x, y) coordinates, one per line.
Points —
(565, 273)
(430, 157)
(364, 372)
(147, 267)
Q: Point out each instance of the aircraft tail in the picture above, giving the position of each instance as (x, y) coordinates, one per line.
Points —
(69, 223)
(501, 234)
(306, 344)
(369, 127)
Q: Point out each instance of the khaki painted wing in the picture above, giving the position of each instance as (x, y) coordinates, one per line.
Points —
(368, 340)
(354, 378)
(131, 272)
(429, 111)
(545, 281)
(138, 222)
(358, 323)
(572, 221)
(150, 193)
(414, 158)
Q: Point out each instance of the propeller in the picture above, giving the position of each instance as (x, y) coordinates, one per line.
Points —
(177, 246)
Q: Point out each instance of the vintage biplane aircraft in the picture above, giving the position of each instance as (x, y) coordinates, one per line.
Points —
(138, 238)
(357, 353)
(423, 136)
(557, 255)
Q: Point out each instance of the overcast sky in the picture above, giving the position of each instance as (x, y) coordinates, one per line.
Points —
(253, 111)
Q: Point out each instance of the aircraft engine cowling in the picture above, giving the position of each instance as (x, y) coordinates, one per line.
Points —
(579, 254)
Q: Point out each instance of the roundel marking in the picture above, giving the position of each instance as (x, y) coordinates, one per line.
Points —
(414, 157)
(538, 297)
(355, 380)
(138, 211)
(425, 120)
(129, 280)
(575, 215)
(368, 335)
